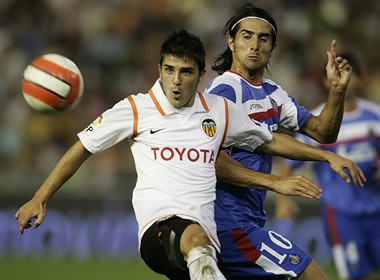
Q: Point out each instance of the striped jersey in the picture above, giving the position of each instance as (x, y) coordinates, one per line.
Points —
(267, 103)
(358, 140)
(174, 151)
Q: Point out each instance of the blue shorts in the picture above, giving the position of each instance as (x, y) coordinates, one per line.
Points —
(256, 252)
(355, 242)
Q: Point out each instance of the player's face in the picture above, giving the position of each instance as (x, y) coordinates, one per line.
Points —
(251, 48)
(179, 80)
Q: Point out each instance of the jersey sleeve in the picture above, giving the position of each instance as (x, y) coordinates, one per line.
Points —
(293, 116)
(243, 132)
(225, 88)
(109, 128)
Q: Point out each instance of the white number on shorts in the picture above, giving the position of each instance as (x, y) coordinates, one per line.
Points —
(280, 241)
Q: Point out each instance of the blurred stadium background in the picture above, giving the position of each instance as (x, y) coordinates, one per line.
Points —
(116, 45)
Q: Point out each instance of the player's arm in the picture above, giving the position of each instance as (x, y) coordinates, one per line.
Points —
(231, 171)
(288, 147)
(63, 170)
(325, 127)
(285, 207)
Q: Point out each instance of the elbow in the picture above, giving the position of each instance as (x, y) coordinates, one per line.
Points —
(328, 138)
(324, 137)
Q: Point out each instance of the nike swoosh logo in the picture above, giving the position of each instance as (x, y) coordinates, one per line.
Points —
(154, 131)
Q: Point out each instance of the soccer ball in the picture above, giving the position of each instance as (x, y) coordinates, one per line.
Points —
(52, 84)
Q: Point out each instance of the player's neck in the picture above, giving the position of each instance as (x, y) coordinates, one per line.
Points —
(254, 77)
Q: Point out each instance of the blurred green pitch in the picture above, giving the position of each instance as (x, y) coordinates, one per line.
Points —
(41, 269)
(95, 269)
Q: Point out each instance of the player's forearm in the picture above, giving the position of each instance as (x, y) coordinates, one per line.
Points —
(331, 116)
(325, 127)
(230, 171)
(63, 170)
(288, 147)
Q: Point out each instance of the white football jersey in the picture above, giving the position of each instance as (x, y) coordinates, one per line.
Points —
(174, 151)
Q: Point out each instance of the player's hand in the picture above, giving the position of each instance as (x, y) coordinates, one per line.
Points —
(30, 210)
(338, 70)
(339, 164)
(297, 186)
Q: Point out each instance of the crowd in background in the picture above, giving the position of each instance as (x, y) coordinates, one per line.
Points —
(116, 45)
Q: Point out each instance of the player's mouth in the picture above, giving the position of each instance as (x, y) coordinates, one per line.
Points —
(176, 93)
(254, 57)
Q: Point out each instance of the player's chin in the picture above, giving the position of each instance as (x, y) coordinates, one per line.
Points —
(177, 103)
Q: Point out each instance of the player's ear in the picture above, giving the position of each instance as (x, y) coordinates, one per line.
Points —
(230, 42)
(159, 69)
(202, 74)
(274, 46)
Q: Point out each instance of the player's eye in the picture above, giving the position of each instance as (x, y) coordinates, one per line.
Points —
(169, 70)
(265, 38)
(187, 72)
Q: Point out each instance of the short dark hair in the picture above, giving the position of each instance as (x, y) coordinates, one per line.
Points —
(223, 61)
(182, 44)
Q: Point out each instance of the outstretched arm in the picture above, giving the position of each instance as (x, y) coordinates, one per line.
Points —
(288, 147)
(230, 171)
(64, 169)
(325, 127)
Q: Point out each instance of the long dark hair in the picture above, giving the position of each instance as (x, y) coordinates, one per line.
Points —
(223, 61)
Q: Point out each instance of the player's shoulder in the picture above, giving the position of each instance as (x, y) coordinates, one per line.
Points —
(212, 98)
(227, 78)
(143, 99)
(138, 96)
(272, 86)
(217, 103)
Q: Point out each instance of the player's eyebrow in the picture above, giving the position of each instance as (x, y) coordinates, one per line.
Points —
(181, 68)
(168, 65)
(260, 34)
(187, 69)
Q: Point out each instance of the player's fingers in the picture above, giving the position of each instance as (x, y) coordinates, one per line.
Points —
(344, 176)
(353, 176)
(331, 55)
(330, 60)
(343, 65)
(361, 174)
(308, 188)
(333, 48)
(305, 193)
(311, 186)
(39, 220)
(24, 225)
(357, 175)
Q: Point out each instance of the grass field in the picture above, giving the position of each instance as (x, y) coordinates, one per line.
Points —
(41, 269)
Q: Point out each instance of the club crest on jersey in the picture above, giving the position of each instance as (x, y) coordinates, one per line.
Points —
(294, 259)
(274, 104)
(95, 124)
(209, 126)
